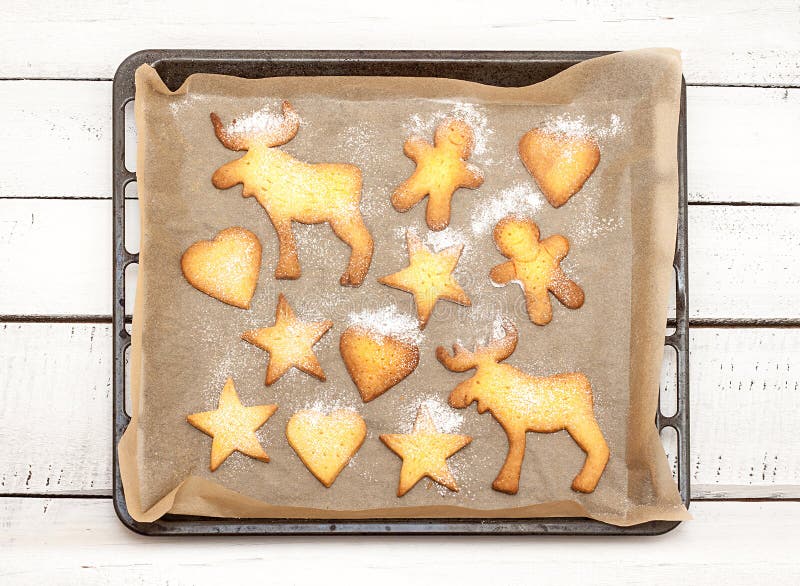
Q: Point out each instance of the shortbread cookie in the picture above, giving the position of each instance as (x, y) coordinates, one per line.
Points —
(326, 443)
(226, 268)
(293, 191)
(536, 265)
(290, 342)
(376, 362)
(521, 402)
(559, 163)
(425, 452)
(233, 426)
(441, 170)
(428, 277)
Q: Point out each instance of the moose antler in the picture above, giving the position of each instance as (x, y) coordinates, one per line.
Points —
(498, 350)
(461, 360)
(271, 136)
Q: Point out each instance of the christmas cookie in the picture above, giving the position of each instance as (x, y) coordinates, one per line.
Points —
(536, 265)
(290, 342)
(521, 402)
(441, 170)
(233, 426)
(226, 268)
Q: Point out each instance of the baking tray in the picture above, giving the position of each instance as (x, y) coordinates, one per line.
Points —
(500, 68)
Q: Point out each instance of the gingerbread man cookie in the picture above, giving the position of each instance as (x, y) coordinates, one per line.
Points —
(536, 265)
(441, 169)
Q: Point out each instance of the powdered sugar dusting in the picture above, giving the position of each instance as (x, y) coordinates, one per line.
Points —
(437, 241)
(388, 321)
(472, 114)
(576, 126)
(266, 120)
(521, 199)
(445, 418)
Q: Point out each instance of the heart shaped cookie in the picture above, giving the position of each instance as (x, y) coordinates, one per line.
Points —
(226, 268)
(376, 362)
(559, 163)
(325, 443)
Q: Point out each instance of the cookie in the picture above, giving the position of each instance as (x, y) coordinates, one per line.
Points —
(536, 265)
(441, 170)
(425, 452)
(290, 190)
(326, 443)
(521, 402)
(290, 343)
(233, 426)
(376, 362)
(428, 277)
(559, 163)
(226, 268)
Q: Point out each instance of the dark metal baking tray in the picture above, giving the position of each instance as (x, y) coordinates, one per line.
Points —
(506, 68)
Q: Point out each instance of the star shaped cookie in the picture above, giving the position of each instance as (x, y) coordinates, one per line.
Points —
(441, 169)
(425, 452)
(289, 343)
(428, 277)
(233, 426)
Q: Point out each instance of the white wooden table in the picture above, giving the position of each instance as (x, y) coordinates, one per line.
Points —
(742, 64)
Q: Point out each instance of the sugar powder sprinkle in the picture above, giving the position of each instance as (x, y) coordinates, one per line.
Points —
(472, 114)
(388, 321)
(267, 119)
(522, 199)
(576, 126)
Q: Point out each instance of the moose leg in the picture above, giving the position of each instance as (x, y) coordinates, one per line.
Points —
(288, 265)
(353, 232)
(508, 479)
(588, 436)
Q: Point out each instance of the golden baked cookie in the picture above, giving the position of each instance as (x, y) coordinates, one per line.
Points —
(290, 190)
(428, 277)
(425, 452)
(559, 163)
(441, 169)
(290, 342)
(536, 265)
(376, 362)
(521, 402)
(233, 426)
(226, 268)
(326, 443)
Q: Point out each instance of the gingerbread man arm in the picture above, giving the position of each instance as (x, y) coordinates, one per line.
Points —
(471, 177)
(566, 290)
(415, 147)
(557, 246)
(503, 273)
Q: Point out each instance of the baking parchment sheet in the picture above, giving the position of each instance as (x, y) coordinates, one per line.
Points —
(621, 228)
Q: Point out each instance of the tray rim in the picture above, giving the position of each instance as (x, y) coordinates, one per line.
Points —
(123, 92)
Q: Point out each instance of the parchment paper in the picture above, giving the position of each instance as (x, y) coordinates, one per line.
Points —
(621, 227)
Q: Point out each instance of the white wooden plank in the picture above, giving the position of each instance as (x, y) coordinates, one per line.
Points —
(744, 261)
(741, 144)
(55, 381)
(744, 385)
(734, 42)
(80, 541)
(740, 141)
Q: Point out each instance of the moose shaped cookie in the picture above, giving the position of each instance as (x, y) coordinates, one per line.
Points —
(521, 402)
(290, 190)
(441, 169)
(536, 265)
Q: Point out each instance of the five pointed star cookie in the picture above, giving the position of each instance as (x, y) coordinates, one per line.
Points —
(233, 426)
(289, 342)
(424, 452)
(428, 277)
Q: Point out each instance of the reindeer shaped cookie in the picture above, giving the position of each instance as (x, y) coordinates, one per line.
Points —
(535, 264)
(521, 403)
(293, 191)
